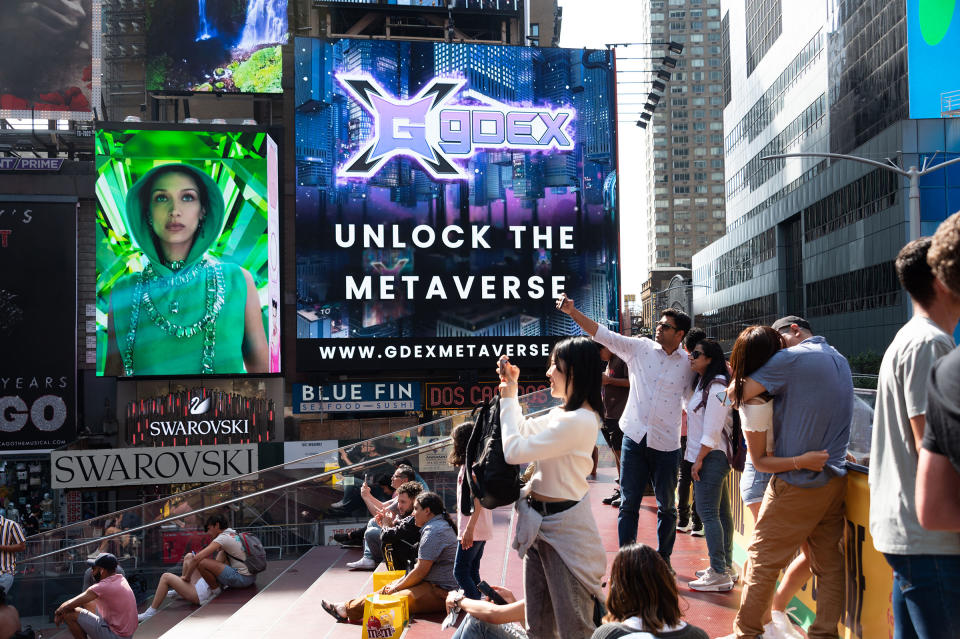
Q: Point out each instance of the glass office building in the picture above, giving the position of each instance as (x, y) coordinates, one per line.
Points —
(816, 237)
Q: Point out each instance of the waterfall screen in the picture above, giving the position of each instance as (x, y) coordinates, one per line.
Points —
(225, 50)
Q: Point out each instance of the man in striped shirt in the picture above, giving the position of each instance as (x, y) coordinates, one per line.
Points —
(12, 541)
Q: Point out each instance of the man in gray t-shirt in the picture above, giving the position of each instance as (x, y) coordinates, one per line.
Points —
(917, 556)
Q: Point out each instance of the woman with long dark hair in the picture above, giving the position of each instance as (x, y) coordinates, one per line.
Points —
(184, 312)
(563, 557)
(643, 598)
(474, 522)
(708, 436)
(754, 347)
(427, 585)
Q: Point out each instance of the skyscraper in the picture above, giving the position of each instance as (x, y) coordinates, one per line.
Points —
(688, 192)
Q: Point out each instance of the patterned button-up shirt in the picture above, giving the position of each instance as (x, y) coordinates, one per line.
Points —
(658, 384)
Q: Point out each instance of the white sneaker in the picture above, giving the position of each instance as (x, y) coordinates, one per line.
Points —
(784, 625)
(732, 571)
(712, 582)
(204, 593)
(173, 594)
(773, 631)
(146, 614)
(364, 563)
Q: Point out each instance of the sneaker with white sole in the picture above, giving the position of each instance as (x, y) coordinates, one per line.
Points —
(773, 631)
(712, 582)
(205, 593)
(784, 625)
(697, 531)
(146, 614)
(364, 563)
(732, 571)
(685, 527)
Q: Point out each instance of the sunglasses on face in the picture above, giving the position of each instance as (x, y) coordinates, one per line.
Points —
(665, 326)
(696, 354)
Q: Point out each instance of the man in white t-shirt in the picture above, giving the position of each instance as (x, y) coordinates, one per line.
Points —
(923, 561)
(223, 561)
(660, 376)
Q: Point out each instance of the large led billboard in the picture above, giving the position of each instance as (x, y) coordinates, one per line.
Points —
(933, 42)
(223, 46)
(446, 194)
(47, 70)
(38, 324)
(187, 251)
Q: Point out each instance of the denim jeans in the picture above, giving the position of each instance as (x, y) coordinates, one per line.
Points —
(683, 489)
(557, 604)
(6, 582)
(638, 464)
(466, 569)
(713, 504)
(372, 548)
(473, 628)
(925, 596)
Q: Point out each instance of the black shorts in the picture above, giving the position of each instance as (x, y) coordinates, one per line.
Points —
(612, 433)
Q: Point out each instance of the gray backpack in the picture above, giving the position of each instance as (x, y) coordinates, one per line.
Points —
(256, 560)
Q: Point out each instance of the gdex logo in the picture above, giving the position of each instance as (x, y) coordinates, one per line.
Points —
(433, 131)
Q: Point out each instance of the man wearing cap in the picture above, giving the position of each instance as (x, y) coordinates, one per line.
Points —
(110, 596)
(812, 393)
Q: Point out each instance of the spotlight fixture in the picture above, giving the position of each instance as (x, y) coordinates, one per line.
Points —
(663, 75)
(650, 107)
(670, 63)
(646, 116)
(658, 86)
(675, 48)
(641, 124)
(653, 97)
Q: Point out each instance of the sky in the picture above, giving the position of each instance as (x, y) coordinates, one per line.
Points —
(593, 24)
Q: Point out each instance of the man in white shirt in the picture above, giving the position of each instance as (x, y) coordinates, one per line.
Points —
(660, 376)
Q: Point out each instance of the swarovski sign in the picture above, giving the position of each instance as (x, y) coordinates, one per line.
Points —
(136, 466)
(433, 130)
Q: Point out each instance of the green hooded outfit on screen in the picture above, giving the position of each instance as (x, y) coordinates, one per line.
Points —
(185, 320)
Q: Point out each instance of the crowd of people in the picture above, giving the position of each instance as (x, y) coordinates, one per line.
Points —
(677, 415)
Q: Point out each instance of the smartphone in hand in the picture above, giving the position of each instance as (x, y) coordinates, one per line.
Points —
(493, 595)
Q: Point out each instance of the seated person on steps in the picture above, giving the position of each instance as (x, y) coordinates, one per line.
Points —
(221, 563)
(105, 610)
(427, 585)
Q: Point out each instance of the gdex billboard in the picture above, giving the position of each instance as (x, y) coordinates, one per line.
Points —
(446, 195)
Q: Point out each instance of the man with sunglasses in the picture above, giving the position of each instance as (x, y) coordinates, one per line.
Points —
(660, 376)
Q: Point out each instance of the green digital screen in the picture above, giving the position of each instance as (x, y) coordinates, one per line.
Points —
(157, 315)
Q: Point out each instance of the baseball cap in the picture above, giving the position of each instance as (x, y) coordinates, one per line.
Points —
(785, 322)
(107, 561)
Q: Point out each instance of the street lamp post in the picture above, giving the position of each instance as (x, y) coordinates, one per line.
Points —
(913, 174)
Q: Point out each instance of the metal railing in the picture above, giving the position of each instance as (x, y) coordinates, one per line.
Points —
(290, 507)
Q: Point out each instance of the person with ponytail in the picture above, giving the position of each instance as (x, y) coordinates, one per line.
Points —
(556, 535)
(427, 585)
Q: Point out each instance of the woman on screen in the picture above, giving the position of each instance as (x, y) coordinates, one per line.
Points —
(185, 313)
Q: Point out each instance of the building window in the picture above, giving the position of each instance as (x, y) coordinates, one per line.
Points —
(865, 289)
(764, 26)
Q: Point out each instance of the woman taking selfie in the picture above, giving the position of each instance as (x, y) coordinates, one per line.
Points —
(563, 557)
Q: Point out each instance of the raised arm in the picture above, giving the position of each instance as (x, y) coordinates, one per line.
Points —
(565, 304)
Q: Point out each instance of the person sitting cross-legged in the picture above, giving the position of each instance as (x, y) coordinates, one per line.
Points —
(427, 585)
(105, 610)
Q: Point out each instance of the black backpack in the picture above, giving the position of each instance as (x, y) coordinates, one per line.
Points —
(490, 478)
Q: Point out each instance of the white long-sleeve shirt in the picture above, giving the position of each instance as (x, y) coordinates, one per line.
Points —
(705, 426)
(658, 383)
(561, 442)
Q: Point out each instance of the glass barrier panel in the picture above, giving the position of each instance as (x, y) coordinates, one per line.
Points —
(291, 508)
